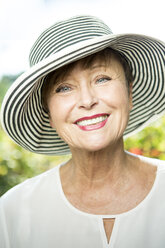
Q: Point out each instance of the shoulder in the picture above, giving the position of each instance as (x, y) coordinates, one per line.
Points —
(156, 165)
(149, 166)
(30, 188)
(160, 164)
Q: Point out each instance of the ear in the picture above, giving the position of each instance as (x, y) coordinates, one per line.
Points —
(50, 120)
(49, 115)
(130, 96)
(51, 123)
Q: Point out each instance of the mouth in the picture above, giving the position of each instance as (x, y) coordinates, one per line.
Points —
(92, 122)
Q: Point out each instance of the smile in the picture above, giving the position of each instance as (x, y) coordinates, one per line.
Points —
(93, 122)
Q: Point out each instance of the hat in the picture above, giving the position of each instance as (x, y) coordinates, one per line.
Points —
(22, 114)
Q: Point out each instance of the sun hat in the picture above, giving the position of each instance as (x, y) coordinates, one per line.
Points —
(22, 114)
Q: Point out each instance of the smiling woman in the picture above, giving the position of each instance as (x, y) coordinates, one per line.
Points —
(86, 89)
(89, 96)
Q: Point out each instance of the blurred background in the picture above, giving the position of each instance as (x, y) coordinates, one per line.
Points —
(22, 21)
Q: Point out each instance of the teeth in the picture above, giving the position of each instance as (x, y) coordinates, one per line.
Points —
(92, 121)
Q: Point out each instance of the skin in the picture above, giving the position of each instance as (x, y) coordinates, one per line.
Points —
(101, 178)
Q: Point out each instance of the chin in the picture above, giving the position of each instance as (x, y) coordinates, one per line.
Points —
(95, 146)
(103, 144)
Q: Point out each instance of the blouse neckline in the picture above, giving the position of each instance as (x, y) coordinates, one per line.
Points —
(129, 212)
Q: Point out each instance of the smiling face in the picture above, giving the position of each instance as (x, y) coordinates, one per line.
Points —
(89, 108)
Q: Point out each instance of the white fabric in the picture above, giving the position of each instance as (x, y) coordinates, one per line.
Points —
(36, 214)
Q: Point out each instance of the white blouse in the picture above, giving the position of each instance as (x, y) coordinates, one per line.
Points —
(36, 214)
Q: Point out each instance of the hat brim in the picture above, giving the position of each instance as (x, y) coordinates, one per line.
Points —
(26, 122)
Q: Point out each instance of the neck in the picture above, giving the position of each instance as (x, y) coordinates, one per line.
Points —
(94, 168)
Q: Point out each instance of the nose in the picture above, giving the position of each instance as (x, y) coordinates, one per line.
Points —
(87, 97)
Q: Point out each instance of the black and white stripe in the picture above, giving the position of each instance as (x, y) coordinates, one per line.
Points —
(22, 115)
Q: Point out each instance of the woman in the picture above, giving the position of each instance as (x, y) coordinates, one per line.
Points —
(91, 87)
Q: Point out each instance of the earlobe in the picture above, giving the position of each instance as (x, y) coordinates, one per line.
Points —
(50, 121)
(130, 96)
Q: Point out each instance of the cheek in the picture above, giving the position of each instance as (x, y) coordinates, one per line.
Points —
(116, 96)
(60, 109)
(55, 108)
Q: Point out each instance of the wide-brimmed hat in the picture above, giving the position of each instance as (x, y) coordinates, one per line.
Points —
(22, 114)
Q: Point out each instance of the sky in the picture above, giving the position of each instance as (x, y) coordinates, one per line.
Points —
(21, 21)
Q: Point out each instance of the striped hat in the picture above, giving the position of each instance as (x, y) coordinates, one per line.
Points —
(22, 114)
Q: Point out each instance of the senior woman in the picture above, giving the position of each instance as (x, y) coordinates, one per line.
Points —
(86, 89)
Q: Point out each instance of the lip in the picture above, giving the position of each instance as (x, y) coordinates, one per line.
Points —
(90, 117)
(92, 126)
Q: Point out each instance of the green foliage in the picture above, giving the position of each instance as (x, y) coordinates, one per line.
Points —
(150, 141)
(17, 164)
(5, 83)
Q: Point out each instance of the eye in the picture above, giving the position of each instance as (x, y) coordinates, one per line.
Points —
(63, 88)
(103, 80)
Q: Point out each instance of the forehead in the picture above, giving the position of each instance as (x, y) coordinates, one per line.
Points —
(113, 67)
(103, 59)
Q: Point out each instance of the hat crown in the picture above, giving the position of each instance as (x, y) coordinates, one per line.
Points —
(66, 33)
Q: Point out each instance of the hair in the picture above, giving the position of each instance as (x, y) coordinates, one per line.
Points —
(60, 74)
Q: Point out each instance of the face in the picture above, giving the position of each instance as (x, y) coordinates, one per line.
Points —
(90, 107)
